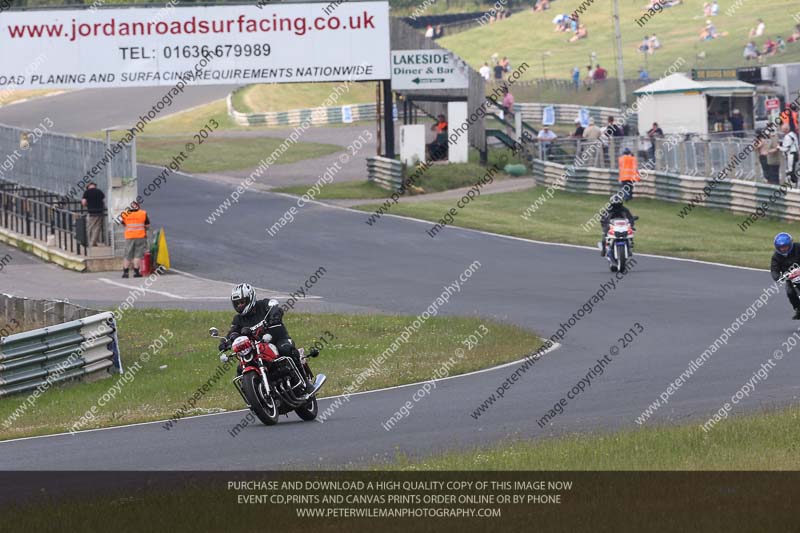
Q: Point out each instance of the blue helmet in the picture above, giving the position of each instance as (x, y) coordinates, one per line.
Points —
(783, 243)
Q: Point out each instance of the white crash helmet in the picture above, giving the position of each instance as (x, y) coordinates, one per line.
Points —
(243, 298)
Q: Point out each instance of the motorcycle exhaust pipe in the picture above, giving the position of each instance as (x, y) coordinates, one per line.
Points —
(288, 396)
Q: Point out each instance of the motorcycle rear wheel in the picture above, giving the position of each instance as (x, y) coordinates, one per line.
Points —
(308, 411)
(260, 403)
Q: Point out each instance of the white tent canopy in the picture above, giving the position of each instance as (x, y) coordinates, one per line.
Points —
(680, 83)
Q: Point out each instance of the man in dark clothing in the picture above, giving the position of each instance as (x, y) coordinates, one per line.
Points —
(94, 202)
(785, 259)
(615, 209)
(612, 130)
(250, 312)
(654, 133)
(498, 72)
(737, 123)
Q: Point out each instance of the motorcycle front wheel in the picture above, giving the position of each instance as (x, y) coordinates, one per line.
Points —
(261, 404)
(308, 411)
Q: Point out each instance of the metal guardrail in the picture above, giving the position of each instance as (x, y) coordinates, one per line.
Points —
(731, 194)
(315, 116)
(384, 172)
(50, 218)
(690, 156)
(58, 353)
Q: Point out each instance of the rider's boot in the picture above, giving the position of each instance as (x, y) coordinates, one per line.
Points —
(796, 314)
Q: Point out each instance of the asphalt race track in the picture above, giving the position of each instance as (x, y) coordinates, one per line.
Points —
(395, 267)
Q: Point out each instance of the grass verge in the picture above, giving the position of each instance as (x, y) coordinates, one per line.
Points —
(14, 96)
(707, 234)
(436, 179)
(218, 154)
(190, 359)
(265, 97)
(767, 441)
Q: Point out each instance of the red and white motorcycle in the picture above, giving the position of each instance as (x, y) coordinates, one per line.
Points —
(619, 243)
(271, 385)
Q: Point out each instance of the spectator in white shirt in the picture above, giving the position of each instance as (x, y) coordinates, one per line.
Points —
(485, 72)
(545, 136)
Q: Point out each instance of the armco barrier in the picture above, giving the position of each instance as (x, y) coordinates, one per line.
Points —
(565, 114)
(75, 349)
(316, 116)
(384, 172)
(733, 195)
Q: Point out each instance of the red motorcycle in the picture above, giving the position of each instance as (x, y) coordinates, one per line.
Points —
(271, 385)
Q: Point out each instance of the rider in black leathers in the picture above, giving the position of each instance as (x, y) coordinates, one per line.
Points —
(615, 210)
(785, 258)
(250, 312)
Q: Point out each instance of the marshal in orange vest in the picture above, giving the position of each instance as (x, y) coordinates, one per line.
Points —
(135, 224)
(628, 168)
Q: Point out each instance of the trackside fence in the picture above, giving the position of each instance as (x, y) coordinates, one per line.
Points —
(731, 194)
(76, 349)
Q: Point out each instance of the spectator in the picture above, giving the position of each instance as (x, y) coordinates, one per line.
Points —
(600, 73)
(770, 47)
(769, 157)
(485, 72)
(750, 51)
(545, 137)
(576, 78)
(438, 32)
(505, 64)
(737, 122)
(644, 47)
(136, 224)
(94, 202)
(643, 75)
(541, 5)
(592, 132)
(582, 33)
(795, 35)
(578, 133)
(709, 32)
(498, 72)
(706, 9)
(758, 31)
(628, 173)
(437, 150)
(790, 146)
(612, 130)
(561, 22)
(714, 8)
(429, 32)
(655, 44)
(655, 132)
(589, 80)
(508, 104)
(780, 45)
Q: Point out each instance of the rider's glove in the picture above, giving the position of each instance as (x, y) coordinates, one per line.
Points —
(223, 344)
(275, 316)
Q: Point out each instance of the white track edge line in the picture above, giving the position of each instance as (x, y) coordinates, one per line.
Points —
(552, 348)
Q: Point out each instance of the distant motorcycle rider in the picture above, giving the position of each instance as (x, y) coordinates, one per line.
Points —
(250, 311)
(785, 259)
(615, 209)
